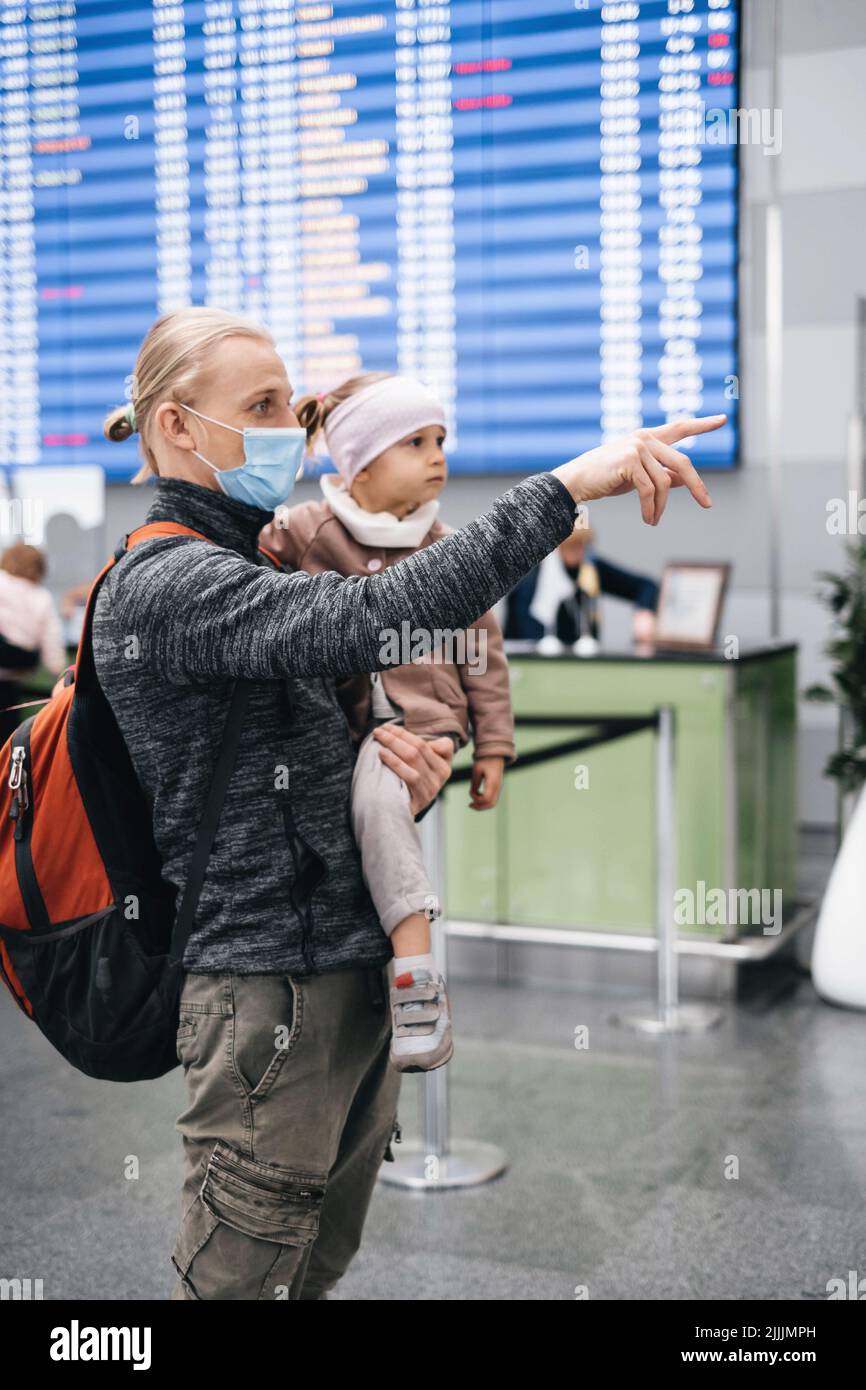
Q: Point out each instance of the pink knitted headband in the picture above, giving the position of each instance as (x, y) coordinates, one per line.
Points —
(367, 423)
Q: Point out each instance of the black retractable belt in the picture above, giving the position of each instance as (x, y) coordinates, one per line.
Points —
(210, 818)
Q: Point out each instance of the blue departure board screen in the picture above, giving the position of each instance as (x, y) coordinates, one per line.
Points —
(529, 204)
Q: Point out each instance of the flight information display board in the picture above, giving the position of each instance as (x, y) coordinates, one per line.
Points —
(529, 204)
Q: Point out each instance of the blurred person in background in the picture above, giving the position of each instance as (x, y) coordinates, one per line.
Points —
(30, 632)
(560, 597)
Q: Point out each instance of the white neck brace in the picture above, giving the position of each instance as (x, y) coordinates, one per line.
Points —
(379, 529)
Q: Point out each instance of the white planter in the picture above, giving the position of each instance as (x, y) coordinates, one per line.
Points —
(839, 953)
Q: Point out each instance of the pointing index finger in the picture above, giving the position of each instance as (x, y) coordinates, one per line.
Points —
(675, 430)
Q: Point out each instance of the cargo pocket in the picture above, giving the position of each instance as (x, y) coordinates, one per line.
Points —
(186, 1029)
(241, 1223)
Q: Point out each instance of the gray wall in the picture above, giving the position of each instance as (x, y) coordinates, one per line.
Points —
(822, 180)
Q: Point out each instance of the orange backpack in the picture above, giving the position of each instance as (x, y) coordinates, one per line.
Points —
(90, 944)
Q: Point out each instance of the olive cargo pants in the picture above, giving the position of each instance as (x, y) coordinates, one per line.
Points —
(292, 1106)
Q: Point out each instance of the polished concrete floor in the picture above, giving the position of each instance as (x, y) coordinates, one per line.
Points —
(621, 1155)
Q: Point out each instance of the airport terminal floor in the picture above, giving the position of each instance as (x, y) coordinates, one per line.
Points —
(616, 1155)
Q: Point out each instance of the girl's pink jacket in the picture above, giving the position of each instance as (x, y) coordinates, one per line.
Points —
(437, 695)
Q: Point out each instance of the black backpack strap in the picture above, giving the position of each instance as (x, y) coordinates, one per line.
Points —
(210, 818)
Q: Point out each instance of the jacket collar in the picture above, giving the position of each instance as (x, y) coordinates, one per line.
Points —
(378, 529)
(235, 525)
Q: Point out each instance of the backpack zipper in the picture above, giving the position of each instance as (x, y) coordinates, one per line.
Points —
(18, 787)
(21, 812)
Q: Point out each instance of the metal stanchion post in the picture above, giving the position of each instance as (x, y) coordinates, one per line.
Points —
(438, 1161)
(669, 1016)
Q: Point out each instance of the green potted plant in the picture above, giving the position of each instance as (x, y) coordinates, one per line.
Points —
(845, 596)
(838, 955)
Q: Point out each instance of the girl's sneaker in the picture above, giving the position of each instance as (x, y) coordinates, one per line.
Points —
(421, 1038)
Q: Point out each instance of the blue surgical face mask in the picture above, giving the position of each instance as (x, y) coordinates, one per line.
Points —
(273, 461)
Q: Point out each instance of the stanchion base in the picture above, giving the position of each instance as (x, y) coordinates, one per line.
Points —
(468, 1163)
(687, 1018)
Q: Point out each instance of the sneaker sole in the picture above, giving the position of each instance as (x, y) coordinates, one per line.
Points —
(435, 1067)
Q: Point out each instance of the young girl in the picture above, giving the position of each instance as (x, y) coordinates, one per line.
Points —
(384, 434)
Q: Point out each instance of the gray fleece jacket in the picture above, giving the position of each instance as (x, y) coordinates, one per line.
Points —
(179, 619)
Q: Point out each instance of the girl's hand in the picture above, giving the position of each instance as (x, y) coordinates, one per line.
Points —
(486, 782)
(644, 461)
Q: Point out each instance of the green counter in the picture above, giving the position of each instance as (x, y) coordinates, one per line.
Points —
(558, 852)
(558, 855)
